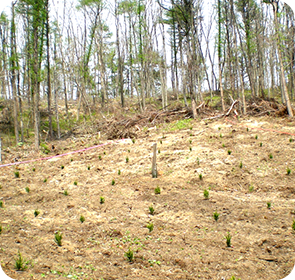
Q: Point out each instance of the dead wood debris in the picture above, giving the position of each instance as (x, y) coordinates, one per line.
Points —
(119, 127)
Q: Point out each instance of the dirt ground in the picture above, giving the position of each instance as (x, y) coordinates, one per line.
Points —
(186, 242)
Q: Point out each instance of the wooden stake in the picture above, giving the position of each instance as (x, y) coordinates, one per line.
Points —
(154, 166)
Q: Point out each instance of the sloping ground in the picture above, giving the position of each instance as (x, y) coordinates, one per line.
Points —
(186, 242)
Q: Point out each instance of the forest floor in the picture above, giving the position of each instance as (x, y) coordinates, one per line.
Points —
(186, 241)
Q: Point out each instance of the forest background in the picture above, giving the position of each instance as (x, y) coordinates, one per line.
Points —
(92, 52)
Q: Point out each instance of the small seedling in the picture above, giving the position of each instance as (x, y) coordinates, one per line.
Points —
(161, 142)
(241, 165)
(34, 169)
(82, 219)
(36, 213)
(62, 167)
(128, 151)
(256, 137)
(75, 183)
(260, 144)
(201, 176)
(127, 159)
(198, 161)
(119, 172)
(16, 174)
(99, 157)
(150, 226)
(251, 188)
(27, 189)
(229, 152)
(268, 205)
(219, 128)
(288, 171)
(152, 210)
(228, 239)
(191, 128)
(133, 140)
(190, 141)
(129, 255)
(71, 159)
(247, 129)
(216, 216)
(66, 192)
(190, 148)
(220, 135)
(0, 229)
(291, 140)
(270, 156)
(223, 145)
(20, 262)
(113, 182)
(159, 151)
(58, 238)
(102, 200)
(104, 153)
(88, 167)
(157, 190)
(206, 194)
(45, 180)
(293, 225)
(1, 204)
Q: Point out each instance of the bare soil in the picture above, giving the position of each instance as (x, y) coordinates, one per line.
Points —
(186, 242)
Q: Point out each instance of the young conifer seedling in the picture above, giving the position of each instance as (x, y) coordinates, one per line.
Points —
(36, 213)
(62, 167)
(201, 176)
(16, 174)
(102, 200)
(113, 182)
(129, 255)
(270, 156)
(66, 192)
(0, 229)
(268, 204)
(229, 152)
(288, 171)
(216, 216)
(241, 165)
(58, 238)
(206, 194)
(293, 225)
(260, 144)
(1, 204)
(228, 239)
(82, 219)
(75, 183)
(152, 210)
(119, 172)
(150, 226)
(45, 180)
(27, 189)
(20, 262)
(157, 190)
(127, 159)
